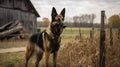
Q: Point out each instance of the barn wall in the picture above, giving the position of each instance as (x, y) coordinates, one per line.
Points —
(18, 9)
(6, 3)
(28, 19)
(16, 4)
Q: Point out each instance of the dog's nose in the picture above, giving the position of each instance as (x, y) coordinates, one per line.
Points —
(59, 19)
(59, 26)
(63, 26)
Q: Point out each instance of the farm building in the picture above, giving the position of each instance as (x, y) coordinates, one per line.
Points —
(22, 10)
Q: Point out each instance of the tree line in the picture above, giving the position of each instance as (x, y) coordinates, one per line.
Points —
(85, 20)
(114, 21)
(70, 24)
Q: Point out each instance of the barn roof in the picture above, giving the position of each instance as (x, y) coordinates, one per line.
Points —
(35, 11)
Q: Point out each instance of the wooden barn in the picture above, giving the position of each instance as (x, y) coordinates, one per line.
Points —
(22, 10)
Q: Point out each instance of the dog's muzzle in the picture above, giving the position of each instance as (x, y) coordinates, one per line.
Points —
(61, 26)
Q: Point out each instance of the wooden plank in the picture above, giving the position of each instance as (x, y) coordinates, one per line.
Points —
(29, 20)
(11, 28)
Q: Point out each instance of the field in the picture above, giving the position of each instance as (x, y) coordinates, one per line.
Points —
(16, 59)
(72, 53)
(71, 33)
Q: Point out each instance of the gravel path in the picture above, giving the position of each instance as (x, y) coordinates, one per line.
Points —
(16, 49)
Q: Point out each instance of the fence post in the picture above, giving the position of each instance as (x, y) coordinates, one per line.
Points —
(111, 37)
(92, 33)
(91, 36)
(80, 35)
(102, 41)
(119, 33)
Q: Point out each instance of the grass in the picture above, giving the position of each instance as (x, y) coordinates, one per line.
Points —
(11, 59)
(16, 59)
(71, 33)
(72, 52)
(68, 34)
(21, 43)
(12, 43)
(86, 54)
(81, 53)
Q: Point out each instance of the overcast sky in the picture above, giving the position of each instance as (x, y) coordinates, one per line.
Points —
(77, 7)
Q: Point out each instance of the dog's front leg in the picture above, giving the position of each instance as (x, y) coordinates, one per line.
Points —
(47, 54)
(54, 58)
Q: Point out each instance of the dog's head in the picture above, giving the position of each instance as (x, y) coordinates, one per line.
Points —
(57, 24)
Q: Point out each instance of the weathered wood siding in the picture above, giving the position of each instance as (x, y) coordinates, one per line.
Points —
(16, 4)
(18, 10)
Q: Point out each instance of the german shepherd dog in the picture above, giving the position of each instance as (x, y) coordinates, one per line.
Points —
(47, 41)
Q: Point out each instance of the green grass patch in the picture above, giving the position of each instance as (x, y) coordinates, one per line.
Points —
(16, 59)
(71, 33)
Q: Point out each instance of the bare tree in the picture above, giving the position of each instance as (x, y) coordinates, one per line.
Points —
(92, 18)
(83, 19)
(76, 20)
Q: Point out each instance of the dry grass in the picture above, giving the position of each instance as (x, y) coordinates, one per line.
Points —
(12, 43)
(78, 54)
(21, 43)
(86, 54)
(72, 53)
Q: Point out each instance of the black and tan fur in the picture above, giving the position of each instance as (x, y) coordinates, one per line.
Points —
(47, 41)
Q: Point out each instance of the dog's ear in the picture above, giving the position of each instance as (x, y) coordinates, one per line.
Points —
(54, 13)
(63, 13)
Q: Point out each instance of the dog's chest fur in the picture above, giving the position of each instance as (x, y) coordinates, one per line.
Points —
(53, 43)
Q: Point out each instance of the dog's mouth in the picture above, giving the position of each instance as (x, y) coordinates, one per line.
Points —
(57, 31)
